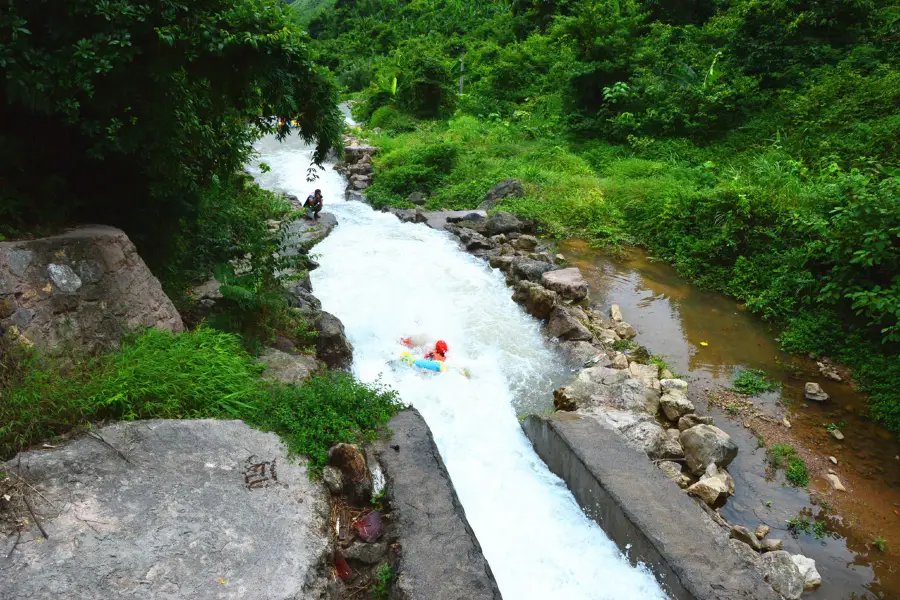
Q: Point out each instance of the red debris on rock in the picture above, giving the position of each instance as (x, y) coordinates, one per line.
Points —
(370, 526)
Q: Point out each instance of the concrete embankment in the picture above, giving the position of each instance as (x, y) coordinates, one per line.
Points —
(440, 557)
(650, 519)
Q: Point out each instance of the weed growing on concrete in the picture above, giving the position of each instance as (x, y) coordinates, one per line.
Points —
(381, 588)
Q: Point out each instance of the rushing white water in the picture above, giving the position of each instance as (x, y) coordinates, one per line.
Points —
(385, 279)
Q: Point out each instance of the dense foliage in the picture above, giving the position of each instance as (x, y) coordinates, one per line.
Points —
(124, 112)
(202, 373)
(751, 143)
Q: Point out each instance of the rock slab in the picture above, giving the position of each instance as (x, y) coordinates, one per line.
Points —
(441, 558)
(82, 290)
(202, 509)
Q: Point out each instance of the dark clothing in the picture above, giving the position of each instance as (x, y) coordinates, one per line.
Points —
(313, 203)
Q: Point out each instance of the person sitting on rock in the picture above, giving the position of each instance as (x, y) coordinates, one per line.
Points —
(314, 203)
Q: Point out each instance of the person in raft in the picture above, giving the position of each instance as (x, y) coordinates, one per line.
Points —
(439, 352)
(314, 203)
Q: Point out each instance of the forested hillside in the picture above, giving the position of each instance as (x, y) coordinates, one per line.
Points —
(753, 144)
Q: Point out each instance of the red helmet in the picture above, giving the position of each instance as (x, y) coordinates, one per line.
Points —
(441, 347)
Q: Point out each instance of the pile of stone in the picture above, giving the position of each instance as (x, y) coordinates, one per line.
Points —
(356, 167)
(789, 575)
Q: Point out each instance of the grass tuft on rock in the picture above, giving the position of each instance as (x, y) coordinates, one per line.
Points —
(198, 374)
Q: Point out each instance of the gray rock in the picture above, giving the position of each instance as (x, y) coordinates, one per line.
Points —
(508, 188)
(782, 574)
(615, 313)
(599, 386)
(688, 421)
(354, 196)
(503, 222)
(22, 318)
(580, 352)
(19, 261)
(619, 361)
(568, 283)
(64, 278)
(669, 384)
(562, 325)
(504, 263)
(302, 234)
(356, 478)
(675, 405)
(112, 294)
(807, 568)
(417, 198)
(441, 558)
(746, 553)
(289, 368)
(195, 497)
(537, 300)
(355, 154)
(332, 346)
(714, 472)
(813, 391)
(368, 554)
(761, 531)
(299, 297)
(836, 434)
(472, 240)
(742, 534)
(706, 444)
(532, 270)
(608, 337)
(652, 439)
(524, 242)
(625, 331)
(333, 479)
(672, 470)
(771, 545)
(645, 373)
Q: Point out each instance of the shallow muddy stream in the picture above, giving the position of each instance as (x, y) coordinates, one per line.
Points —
(673, 320)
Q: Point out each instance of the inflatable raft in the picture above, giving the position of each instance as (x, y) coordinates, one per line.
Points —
(435, 366)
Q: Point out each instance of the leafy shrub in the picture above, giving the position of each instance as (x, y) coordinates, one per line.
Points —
(752, 382)
(390, 119)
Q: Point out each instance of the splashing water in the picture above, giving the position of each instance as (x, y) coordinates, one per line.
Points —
(386, 279)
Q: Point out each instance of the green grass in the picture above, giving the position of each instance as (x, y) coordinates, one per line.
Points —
(803, 524)
(381, 588)
(752, 382)
(880, 543)
(785, 456)
(201, 373)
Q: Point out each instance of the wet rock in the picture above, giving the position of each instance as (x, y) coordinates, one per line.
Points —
(782, 574)
(508, 188)
(712, 492)
(600, 386)
(351, 462)
(807, 568)
(625, 331)
(525, 242)
(835, 482)
(472, 217)
(672, 470)
(472, 240)
(354, 196)
(299, 297)
(675, 405)
(563, 400)
(417, 198)
(813, 391)
(828, 370)
(368, 554)
(568, 283)
(503, 222)
(652, 439)
(706, 444)
(615, 313)
(771, 545)
(504, 263)
(532, 270)
(688, 421)
(289, 368)
(762, 531)
(564, 326)
(537, 300)
(332, 346)
(333, 480)
(580, 352)
(833, 460)
(836, 434)
(742, 534)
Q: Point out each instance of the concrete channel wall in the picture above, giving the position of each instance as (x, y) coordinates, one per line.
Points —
(644, 513)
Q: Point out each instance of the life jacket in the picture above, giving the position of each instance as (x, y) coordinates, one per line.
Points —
(436, 356)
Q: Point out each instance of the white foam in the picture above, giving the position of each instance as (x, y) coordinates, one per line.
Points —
(385, 279)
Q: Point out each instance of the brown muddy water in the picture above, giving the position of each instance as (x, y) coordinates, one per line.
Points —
(674, 319)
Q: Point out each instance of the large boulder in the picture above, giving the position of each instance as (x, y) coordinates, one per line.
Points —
(782, 574)
(568, 283)
(299, 297)
(472, 240)
(503, 222)
(652, 439)
(332, 346)
(675, 405)
(537, 300)
(305, 233)
(579, 352)
(649, 374)
(508, 188)
(602, 387)
(162, 507)
(563, 326)
(706, 444)
(82, 290)
(532, 270)
(289, 368)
